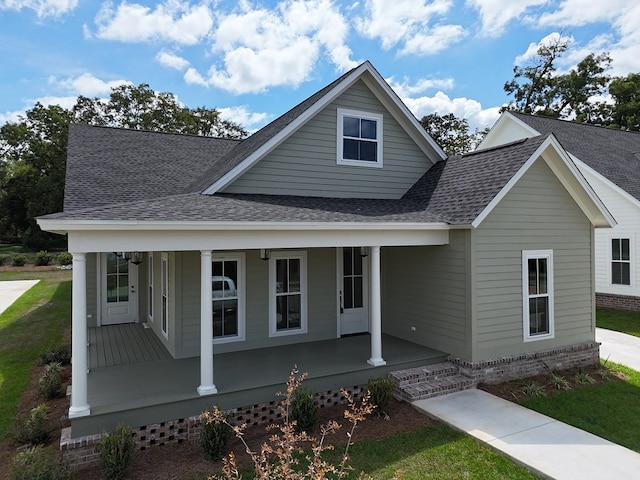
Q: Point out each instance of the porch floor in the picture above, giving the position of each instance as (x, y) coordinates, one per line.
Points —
(152, 388)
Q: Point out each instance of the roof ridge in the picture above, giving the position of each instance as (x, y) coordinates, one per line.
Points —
(159, 132)
(571, 122)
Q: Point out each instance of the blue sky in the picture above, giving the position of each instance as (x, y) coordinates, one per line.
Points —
(253, 60)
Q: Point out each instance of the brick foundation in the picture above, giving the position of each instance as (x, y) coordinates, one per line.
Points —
(83, 451)
(619, 302)
(524, 365)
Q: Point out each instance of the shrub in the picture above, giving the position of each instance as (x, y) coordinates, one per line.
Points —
(43, 258)
(50, 382)
(214, 434)
(116, 451)
(3, 260)
(304, 410)
(19, 260)
(36, 428)
(531, 389)
(39, 463)
(60, 354)
(381, 391)
(64, 258)
(558, 382)
(583, 378)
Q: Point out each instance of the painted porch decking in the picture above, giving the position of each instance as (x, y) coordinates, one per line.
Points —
(142, 385)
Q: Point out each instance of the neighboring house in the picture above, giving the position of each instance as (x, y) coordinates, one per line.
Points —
(349, 245)
(609, 159)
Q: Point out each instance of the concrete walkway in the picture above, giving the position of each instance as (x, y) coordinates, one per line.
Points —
(619, 348)
(546, 446)
(10, 291)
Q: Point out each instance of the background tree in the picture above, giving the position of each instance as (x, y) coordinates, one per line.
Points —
(625, 112)
(33, 150)
(451, 133)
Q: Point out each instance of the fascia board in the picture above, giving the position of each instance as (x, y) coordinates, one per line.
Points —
(286, 132)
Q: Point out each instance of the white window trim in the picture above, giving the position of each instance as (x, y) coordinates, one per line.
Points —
(150, 290)
(302, 256)
(631, 261)
(240, 287)
(342, 112)
(526, 256)
(164, 290)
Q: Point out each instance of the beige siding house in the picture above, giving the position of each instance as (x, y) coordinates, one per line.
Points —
(338, 238)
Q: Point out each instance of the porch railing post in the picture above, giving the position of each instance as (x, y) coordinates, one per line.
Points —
(79, 398)
(376, 310)
(207, 386)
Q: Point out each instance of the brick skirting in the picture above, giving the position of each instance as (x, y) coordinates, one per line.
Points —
(524, 365)
(619, 302)
(82, 452)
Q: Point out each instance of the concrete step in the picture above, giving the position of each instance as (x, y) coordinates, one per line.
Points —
(434, 387)
(410, 376)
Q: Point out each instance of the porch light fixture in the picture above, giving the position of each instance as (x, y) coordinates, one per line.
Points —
(265, 254)
(136, 258)
(364, 251)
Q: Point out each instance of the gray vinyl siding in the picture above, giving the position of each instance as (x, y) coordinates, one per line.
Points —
(92, 289)
(305, 163)
(321, 303)
(537, 214)
(428, 287)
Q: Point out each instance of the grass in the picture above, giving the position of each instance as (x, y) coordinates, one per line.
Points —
(28, 328)
(619, 320)
(611, 410)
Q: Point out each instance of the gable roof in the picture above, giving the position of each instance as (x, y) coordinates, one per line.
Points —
(255, 147)
(106, 164)
(614, 154)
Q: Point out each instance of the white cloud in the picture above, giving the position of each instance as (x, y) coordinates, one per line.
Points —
(11, 116)
(533, 48)
(88, 85)
(582, 12)
(172, 21)
(192, 77)
(172, 61)
(43, 8)
(461, 107)
(407, 24)
(406, 89)
(242, 115)
(263, 48)
(496, 14)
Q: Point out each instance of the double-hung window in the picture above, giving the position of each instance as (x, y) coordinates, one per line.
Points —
(288, 293)
(620, 261)
(537, 284)
(359, 138)
(227, 284)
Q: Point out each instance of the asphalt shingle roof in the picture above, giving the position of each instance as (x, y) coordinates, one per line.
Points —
(108, 165)
(614, 154)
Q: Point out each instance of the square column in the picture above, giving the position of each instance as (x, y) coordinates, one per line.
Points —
(79, 366)
(376, 310)
(207, 386)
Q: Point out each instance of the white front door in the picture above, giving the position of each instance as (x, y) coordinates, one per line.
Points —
(353, 291)
(119, 281)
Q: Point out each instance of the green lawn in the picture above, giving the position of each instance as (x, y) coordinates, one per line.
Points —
(619, 320)
(611, 411)
(28, 328)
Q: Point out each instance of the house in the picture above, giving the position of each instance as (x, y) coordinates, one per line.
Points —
(339, 237)
(609, 160)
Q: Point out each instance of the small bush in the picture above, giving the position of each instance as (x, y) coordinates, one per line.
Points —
(558, 382)
(381, 391)
(36, 428)
(43, 258)
(116, 451)
(50, 382)
(60, 354)
(39, 463)
(583, 378)
(214, 435)
(64, 258)
(3, 260)
(304, 410)
(19, 260)
(531, 389)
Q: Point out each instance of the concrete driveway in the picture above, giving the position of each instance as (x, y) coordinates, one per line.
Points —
(619, 348)
(10, 291)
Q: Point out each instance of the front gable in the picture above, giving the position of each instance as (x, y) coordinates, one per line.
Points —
(307, 164)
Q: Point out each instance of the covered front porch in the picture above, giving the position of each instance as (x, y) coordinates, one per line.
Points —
(133, 382)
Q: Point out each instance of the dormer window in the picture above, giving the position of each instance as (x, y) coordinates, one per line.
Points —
(359, 138)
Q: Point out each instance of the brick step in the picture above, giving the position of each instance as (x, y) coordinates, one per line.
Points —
(410, 376)
(434, 387)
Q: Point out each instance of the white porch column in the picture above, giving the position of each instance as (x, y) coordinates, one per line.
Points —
(79, 404)
(206, 326)
(376, 310)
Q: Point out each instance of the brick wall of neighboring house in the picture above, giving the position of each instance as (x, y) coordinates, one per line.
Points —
(619, 302)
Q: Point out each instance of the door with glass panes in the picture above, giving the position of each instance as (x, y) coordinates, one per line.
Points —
(119, 280)
(353, 291)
